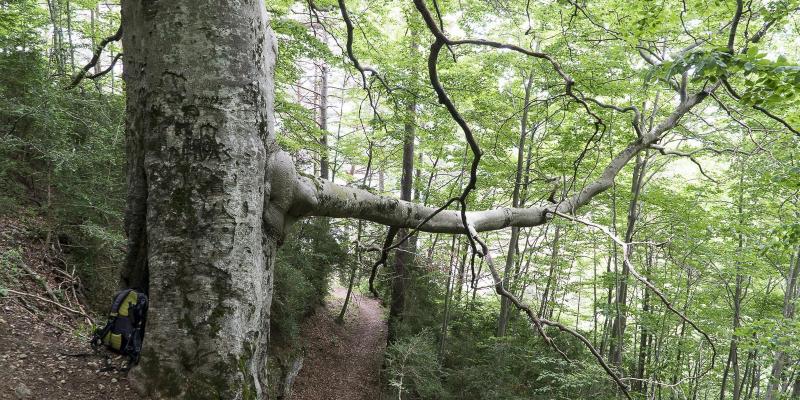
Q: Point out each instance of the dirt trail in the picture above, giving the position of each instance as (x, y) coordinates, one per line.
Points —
(343, 362)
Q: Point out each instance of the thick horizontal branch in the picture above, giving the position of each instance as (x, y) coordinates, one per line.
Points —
(314, 196)
(317, 197)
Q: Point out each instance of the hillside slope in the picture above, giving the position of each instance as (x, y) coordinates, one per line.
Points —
(44, 351)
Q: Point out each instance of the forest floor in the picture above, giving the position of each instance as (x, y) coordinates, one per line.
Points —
(38, 339)
(44, 350)
(343, 361)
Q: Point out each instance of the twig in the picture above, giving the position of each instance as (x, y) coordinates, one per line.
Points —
(47, 301)
(663, 150)
(39, 279)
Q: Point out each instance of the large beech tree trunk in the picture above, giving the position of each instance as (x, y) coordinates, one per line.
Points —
(199, 143)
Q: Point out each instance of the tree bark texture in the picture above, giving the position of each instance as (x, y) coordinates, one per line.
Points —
(200, 143)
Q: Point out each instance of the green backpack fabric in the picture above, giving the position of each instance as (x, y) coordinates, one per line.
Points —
(124, 331)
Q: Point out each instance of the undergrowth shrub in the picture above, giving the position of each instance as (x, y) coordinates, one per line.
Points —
(10, 261)
(311, 252)
(61, 154)
(412, 368)
(474, 364)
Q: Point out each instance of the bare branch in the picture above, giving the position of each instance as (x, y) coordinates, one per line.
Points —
(95, 58)
(57, 304)
(763, 110)
(390, 234)
(538, 322)
(107, 70)
(351, 55)
(664, 151)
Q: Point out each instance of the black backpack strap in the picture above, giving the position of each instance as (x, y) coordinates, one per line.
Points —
(138, 314)
(100, 333)
(119, 299)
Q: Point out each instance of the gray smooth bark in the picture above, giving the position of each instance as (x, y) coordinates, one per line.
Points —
(200, 144)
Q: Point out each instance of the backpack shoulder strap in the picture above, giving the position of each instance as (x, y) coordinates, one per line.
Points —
(118, 299)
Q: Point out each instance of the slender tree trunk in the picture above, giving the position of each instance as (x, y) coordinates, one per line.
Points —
(324, 166)
(679, 357)
(789, 298)
(505, 304)
(475, 283)
(733, 353)
(563, 294)
(644, 337)
(695, 378)
(404, 255)
(460, 280)
(353, 271)
(207, 193)
(749, 364)
(336, 164)
(610, 289)
(594, 291)
(57, 52)
(448, 294)
(93, 16)
(618, 326)
(578, 307)
(755, 374)
(549, 286)
(69, 36)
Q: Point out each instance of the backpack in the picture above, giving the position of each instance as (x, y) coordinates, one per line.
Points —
(124, 331)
